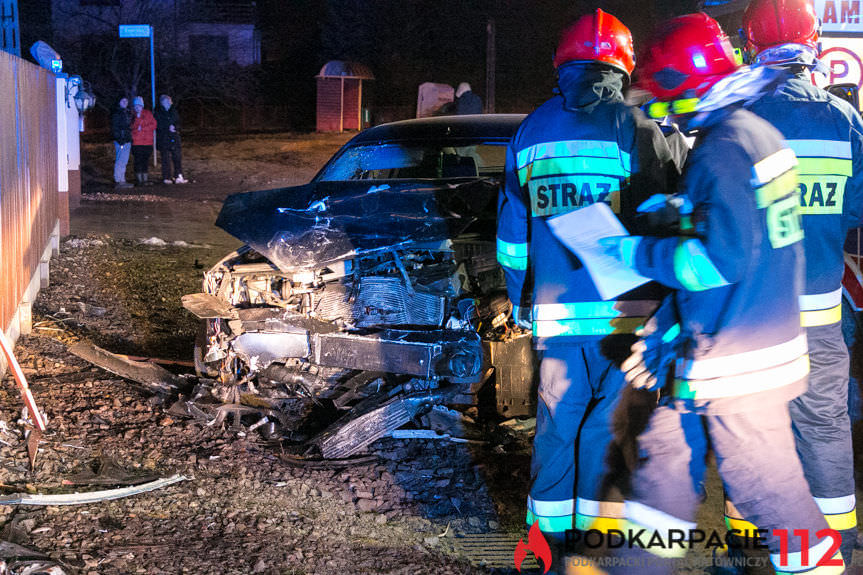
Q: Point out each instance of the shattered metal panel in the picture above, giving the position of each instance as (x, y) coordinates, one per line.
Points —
(312, 225)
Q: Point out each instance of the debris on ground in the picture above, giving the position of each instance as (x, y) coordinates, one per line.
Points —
(90, 496)
(153, 377)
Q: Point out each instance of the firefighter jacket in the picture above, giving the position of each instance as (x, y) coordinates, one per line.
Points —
(826, 133)
(580, 147)
(739, 276)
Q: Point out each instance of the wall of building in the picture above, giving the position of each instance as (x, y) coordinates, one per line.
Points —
(10, 37)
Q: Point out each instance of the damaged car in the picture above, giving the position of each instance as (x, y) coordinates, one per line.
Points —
(370, 295)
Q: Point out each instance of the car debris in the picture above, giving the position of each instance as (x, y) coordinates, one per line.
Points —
(18, 560)
(89, 497)
(154, 378)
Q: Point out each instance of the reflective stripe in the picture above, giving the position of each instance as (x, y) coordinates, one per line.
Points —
(842, 521)
(518, 250)
(550, 508)
(825, 166)
(598, 515)
(603, 326)
(824, 148)
(512, 255)
(572, 166)
(834, 505)
(821, 300)
(655, 519)
(740, 363)
(794, 561)
(568, 148)
(773, 166)
(550, 524)
(641, 516)
(776, 189)
(513, 263)
(693, 267)
(593, 309)
(731, 386)
(822, 570)
(821, 317)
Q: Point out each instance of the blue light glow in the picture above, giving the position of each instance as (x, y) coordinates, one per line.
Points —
(699, 61)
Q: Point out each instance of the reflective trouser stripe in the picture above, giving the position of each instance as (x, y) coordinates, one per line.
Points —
(793, 562)
(641, 516)
(821, 317)
(552, 516)
(598, 515)
(840, 512)
(821, 309)
(550, 524)
(822, 570)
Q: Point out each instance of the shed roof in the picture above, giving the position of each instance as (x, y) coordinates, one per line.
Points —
(345, 69)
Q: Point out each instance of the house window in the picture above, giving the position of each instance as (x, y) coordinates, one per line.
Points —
(208, 49)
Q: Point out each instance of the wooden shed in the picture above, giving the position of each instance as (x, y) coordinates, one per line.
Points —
(340, 96)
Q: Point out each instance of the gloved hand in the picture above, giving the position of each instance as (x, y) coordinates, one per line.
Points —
(621, 248)
(654, 352)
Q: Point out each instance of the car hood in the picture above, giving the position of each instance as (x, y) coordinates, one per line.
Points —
(310, 226)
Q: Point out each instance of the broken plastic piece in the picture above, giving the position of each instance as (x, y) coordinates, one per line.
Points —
(155, 378)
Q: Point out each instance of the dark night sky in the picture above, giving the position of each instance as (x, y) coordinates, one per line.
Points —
(407, 42)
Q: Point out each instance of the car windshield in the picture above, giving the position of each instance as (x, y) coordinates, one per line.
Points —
(415, 161)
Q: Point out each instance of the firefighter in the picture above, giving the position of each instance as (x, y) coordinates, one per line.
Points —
(726, 351)
(582, 146)
(826, 133)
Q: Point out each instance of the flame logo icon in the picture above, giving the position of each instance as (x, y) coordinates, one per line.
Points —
(535, 542)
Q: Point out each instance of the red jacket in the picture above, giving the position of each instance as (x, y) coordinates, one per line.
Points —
(143, 127)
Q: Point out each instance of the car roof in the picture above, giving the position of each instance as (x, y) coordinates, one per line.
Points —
(481, 126)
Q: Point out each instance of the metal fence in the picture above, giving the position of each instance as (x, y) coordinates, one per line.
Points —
(29, 209)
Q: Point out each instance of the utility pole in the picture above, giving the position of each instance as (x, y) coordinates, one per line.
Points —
(489, 66)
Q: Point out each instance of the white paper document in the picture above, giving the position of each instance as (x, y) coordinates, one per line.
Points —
(580, 231)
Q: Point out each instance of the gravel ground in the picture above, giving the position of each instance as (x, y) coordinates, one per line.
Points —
(244, 508)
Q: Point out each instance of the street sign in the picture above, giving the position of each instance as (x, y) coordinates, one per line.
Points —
(135, 30)
(842, 55)
(839, 17)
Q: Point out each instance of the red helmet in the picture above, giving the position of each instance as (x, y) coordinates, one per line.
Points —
(769, 23)
(687, 55)
(598, 37)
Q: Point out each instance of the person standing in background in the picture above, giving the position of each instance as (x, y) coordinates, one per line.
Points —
(143, 126)
(122, 135)
(466, 102)
(168, 141)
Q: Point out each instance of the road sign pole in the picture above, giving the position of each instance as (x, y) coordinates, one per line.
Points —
(153, 86)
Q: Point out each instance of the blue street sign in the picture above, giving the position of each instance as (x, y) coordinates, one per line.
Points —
(135, 30)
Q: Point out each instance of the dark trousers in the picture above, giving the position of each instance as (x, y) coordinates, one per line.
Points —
(578, 391)
(141, 158)
(171, 153)
(757, 461)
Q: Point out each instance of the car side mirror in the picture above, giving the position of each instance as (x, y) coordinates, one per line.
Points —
(848, 92)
